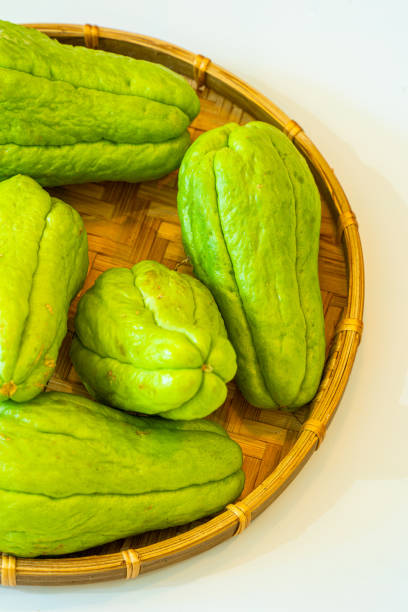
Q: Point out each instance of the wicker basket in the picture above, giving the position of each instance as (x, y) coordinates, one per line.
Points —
(127, 223)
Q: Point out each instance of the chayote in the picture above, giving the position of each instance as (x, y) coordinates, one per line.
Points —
(152, 340)
(43, 264)
(75, 474)
(250, 215)
(72, 115)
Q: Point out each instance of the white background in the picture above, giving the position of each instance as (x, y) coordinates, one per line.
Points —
(337, 538)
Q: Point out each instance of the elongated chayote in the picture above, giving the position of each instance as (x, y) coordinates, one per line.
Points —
(75, 474)
(43, 264)
(250, 214)
(73, 115)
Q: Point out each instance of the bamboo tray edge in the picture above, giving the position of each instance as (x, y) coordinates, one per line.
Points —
(128, 563)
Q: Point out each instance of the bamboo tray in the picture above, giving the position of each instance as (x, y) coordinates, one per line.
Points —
(127, 223)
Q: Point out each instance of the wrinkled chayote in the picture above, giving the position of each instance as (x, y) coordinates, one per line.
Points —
(72, 115)
(250, 215)
(43, 264)
(75, 474)
(152, 340)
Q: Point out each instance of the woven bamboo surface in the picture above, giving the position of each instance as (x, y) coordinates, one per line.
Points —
(130, 222)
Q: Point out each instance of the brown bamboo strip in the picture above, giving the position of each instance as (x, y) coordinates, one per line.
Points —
(117, 213)
(71, 570)
(324, 406)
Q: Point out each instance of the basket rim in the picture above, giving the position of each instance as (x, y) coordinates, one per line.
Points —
(130, 562)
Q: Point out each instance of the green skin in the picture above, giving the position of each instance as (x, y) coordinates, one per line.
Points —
(152, 340)
(77, 474)
(72, 115)
(250, 215)
(43, 264)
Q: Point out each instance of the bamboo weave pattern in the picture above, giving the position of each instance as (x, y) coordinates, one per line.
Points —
(127, 223)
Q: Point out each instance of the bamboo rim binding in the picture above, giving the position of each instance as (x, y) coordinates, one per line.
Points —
(235, 517)
(243, 513)
(91, 36)
(292, 129)
(132, 560)
(8, 570)
(200, 66)
(348, 324)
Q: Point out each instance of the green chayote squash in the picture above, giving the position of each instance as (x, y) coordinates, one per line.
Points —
(152, 340)
(43, 264)
(72, 115)
(76, 474)
(250, 215)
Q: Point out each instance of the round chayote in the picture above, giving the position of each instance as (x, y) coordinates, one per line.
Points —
(152, 340)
